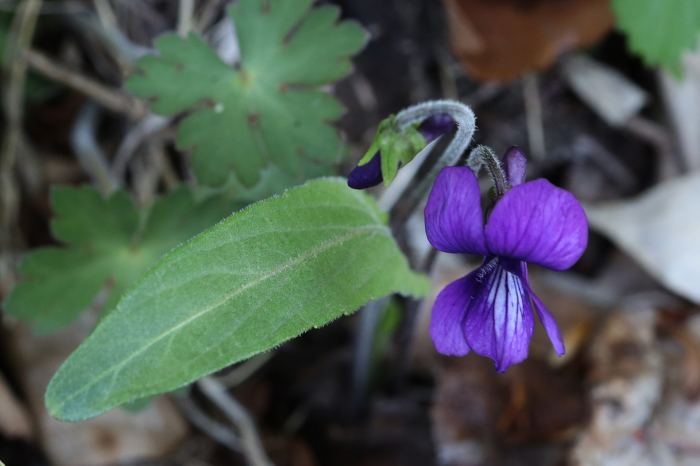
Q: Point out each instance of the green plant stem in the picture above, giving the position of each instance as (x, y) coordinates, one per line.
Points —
(464, 117)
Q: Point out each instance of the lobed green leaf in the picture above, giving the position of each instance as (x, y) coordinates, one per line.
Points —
(269, 110)
(107, 247)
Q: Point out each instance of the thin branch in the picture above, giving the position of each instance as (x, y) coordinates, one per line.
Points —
(369, 320)
(157, 152)
(89, 153)
(209, 12)
(52, 8)
(184, 20)
(533, 115)
(209, 426)
(240, 417)
(106, 14)
(245, 370)
(133, 139)
(110, 98)
(20, 38)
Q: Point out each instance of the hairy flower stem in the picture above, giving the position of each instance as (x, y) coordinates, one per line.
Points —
(466, 124)
(484, 155)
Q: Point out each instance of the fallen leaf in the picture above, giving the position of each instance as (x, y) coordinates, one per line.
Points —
(500, 40)
(627, 370)
(660, 230)
(609, 93)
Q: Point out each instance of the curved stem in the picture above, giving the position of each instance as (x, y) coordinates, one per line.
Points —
(484, 155)
(462, 115)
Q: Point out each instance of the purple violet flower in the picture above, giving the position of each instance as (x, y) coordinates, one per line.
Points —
(370, 174)
(489, 310)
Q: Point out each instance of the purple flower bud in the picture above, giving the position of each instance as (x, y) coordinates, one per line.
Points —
(515, 165)
(367, 175)
(370, 174)
(490, 310)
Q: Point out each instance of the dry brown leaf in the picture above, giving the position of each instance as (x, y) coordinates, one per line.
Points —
(659, 229)
(627, 371)
(469, 401)
(482, 417)
(500, 40)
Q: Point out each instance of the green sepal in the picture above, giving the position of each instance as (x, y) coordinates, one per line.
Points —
(396, 147)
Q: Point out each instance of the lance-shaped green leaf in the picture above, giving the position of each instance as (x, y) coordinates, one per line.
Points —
(270, 109)
(660, 30)
(108, 246)
(261, 277)
(396, 146)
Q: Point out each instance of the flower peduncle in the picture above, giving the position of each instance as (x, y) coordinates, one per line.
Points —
(484, 155)
(462, 115)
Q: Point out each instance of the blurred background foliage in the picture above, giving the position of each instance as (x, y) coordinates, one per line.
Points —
(130, 126)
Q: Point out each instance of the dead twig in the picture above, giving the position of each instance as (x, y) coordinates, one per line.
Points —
(133, 139)
(209, 426)
(241, 373)
(106, 14)
(370, 315)
(209, 12)
(20, 38)
(252, 445)
(184, 19)
(89, 152)
(111, 99)
(52, 8)
(157, 152)
(533, 114)
(655, 134)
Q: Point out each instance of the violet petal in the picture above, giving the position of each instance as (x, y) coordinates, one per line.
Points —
(453, 216)
(548, 321)
(499, 322)
(367, 175)
(448, 314)
(515, 165)
(538, 223)
(435, 126)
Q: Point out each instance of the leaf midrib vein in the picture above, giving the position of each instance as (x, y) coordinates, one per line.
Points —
(322, 247)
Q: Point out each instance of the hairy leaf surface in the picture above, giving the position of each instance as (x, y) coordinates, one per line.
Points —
(261, 277)
(270, 110)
